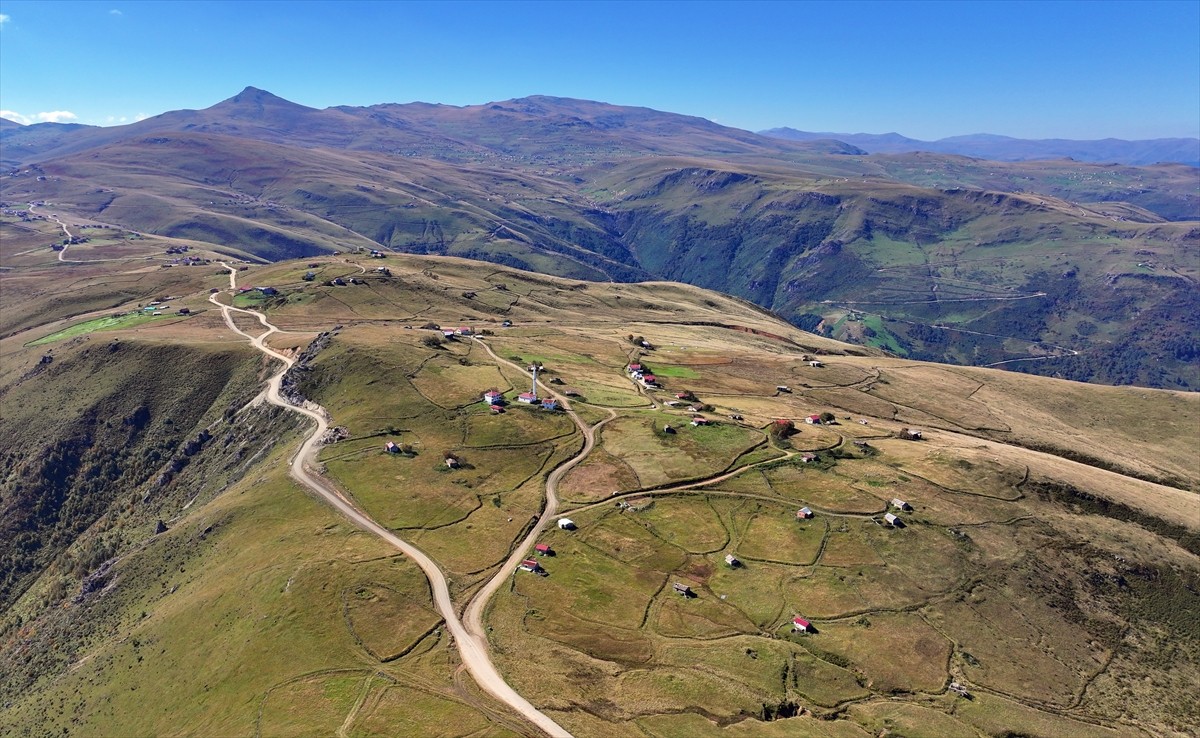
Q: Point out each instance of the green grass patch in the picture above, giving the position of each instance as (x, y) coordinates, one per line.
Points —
(107, 323)
(677, 372)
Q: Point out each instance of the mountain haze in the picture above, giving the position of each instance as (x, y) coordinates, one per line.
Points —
(1007, 148)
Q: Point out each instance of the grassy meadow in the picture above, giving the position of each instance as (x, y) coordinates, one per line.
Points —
(1048, 561)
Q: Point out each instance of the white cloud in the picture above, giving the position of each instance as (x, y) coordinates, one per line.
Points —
(114, 11)
(53, 116)
(140, 116)
(56, 116)
(4, 19)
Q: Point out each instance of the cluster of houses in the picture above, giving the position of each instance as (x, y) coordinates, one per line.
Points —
(534, 566)
(460, 331)
(186, 261)
(642, 375)
(495, 399)
(264, 291)
(891, 518)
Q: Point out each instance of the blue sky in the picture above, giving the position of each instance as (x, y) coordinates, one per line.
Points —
(927, 70)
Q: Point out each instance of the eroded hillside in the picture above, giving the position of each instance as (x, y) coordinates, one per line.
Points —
(1060, 268)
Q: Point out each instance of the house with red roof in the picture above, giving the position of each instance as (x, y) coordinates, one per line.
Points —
(527, 397)
(697, 421)
(493, 397)
(543, 549)
(530, 565)
(800, 624)
(813, 420)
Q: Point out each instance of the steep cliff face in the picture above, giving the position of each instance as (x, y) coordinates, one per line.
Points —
(102, 432)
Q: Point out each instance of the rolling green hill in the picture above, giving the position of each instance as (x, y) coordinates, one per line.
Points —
(1048, 563)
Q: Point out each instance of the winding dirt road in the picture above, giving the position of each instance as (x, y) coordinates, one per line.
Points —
(473, 615)
(472, 643)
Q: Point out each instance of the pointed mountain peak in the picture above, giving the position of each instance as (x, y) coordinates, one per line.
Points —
(253, 97)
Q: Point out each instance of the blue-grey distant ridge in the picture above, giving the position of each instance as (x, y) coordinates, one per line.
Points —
(1006, 148)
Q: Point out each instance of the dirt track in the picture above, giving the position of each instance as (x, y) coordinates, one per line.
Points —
(471, 642)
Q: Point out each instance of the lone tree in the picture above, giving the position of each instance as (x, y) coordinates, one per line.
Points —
(782, 428)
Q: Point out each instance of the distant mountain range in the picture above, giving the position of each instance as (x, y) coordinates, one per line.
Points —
(1005, 148)
(538, 129)
(1082, 270)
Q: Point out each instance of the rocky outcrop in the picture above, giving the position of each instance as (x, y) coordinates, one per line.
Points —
(289, 386)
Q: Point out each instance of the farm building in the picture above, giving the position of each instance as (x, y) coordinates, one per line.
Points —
(682, 589)
(697, 421)
(732, 561)
(448, 332)
(804, 513)
(782, 388)
(506, 324)
(860, 444)
(639, 504)
(527, 397)
(893, 520)
(497, 409)
(911, 434)
(566, 524)
(815, 363)
(550, 404)
(635, 368)
(813, 420)
(668, 429)
(543, 549)
(649, 380)
(451, 462)
(900, 504)
(800, 624)
(530, 565)
(808, 458)
(464, 331)
(392, 448)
